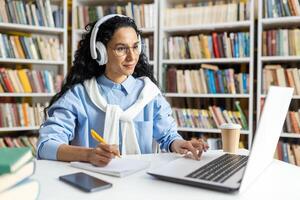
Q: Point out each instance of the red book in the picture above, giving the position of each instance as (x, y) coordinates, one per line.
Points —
(6, 80)
(171, 80)
(215, 45)
(9, 142)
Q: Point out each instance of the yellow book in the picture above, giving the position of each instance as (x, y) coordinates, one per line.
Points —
(24, 80)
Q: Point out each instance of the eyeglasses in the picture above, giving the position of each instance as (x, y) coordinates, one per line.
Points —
(124, 50)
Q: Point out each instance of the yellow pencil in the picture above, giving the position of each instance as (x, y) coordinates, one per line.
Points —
(97, 137)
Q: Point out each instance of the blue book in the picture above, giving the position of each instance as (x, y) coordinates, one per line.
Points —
(270, 13)
(210, 46)
(236, 46)
(286, 8)
(212, 81)
(244, 76)
(285, 155)
(206, 72)
(242, 46)
(220, 80)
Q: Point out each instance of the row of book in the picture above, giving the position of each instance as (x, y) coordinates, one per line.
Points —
(23, 46)
(209, 118)
(21, 114)
(216, 45)
(281, 42)
(17, 165)
(36, 13)
(19, 142)
(288, 152)
(281, 8)
(143, 14)
(215, 143)
(277, 75)
(28, 81)
(207, 12)
(207, 79)
(292, 122)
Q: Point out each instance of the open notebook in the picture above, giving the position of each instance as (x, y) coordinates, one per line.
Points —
(119, 167)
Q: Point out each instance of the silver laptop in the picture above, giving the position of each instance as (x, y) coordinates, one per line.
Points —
(229, 172)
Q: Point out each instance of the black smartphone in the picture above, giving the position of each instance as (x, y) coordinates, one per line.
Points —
(85, 182)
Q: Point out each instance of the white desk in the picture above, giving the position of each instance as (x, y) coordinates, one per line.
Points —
(280, 181)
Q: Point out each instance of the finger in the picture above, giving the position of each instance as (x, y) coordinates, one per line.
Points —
(106, 147)
(115, 150)
(188, 145)
(103, 152)
(182, 151)
(200, 154)
(200, 143)
(100, 160)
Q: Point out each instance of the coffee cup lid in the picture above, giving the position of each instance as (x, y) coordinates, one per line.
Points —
(230, 126)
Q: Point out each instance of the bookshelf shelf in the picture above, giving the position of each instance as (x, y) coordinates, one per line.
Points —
(144, 30)
(294, 97)
(205, 130)
(207, 95)
(27, 94)
(290, 135)
(6, 129)
(79, 31)
(177, 30)
(30, 28)
(281, 21)
(24, 75)
(279, 58)
(147, 30)
(240, 25)
(199, 61)
(31, 61)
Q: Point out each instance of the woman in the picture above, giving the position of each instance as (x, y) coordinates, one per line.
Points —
(110, 89)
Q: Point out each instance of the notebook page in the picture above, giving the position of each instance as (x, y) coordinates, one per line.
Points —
(117, 167)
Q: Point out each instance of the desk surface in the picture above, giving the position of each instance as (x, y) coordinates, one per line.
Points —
(280, 181)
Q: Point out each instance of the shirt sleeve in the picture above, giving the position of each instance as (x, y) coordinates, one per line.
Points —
(165, 128)
(59, 127)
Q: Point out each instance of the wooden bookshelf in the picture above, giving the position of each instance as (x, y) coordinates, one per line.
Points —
(279, 22)
(29, 28)
(165, 31)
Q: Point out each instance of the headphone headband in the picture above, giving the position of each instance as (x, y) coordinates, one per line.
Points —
(95, 31)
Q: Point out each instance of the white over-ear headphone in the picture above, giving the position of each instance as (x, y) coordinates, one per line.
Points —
(98, 49)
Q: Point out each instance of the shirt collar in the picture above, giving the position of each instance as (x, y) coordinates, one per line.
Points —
(128, 84)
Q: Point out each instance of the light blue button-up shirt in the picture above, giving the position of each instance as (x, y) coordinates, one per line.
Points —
(72, 117)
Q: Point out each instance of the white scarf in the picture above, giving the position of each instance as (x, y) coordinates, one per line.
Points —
(114, 114)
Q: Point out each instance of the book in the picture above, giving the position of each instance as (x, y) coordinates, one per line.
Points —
(10, 179)
(28, 189)
(118, 167)
(13, 158)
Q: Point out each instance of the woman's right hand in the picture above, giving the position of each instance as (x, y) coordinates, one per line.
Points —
(102, 154)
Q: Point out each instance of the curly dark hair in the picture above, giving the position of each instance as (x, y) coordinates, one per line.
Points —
(84, 67)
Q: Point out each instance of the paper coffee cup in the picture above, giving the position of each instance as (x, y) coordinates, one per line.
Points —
(230, 137)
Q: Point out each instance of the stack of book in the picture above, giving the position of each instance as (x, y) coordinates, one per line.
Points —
(16, 166)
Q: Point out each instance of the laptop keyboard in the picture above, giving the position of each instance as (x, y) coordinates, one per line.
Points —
(220, 169)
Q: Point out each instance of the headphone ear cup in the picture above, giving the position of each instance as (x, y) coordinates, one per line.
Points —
(101, 53)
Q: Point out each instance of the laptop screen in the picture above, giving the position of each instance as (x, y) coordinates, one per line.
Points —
(267, 133)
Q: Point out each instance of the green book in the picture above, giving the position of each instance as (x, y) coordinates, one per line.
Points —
(11, 159)
(243, 117)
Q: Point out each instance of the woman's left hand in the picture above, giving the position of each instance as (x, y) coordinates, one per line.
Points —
(195, 146)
